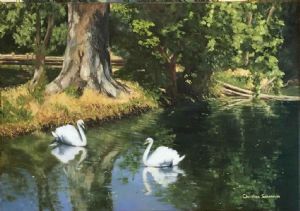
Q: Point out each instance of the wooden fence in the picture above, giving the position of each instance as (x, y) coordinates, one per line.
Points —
(53, 61)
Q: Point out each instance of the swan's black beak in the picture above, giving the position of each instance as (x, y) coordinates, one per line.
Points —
(146, 142)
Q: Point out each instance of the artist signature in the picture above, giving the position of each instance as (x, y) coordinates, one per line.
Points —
(261, 196)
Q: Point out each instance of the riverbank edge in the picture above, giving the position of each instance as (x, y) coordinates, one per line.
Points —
(136, 105)
(27, 128)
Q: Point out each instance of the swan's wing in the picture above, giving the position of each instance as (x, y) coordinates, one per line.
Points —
(68, 134)
(170, 154)
(165, 152)
(162, 156)
(65, 128)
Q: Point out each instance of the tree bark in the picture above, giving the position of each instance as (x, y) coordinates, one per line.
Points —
(271, 11)
(249, 23)
(39, 70)
(171, 65)
(86, 60)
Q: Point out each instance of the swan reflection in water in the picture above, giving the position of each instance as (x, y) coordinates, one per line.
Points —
(65, 154)
(162, 176)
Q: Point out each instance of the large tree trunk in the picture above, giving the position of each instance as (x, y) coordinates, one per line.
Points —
(86, 60)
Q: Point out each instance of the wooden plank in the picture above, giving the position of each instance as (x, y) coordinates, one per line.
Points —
(29, 59)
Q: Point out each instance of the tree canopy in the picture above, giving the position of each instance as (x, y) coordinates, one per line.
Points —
(176, 48)
(203, 37)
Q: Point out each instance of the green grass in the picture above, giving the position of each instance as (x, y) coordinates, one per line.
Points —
(12, 75)
(291, 91)
(235, 78)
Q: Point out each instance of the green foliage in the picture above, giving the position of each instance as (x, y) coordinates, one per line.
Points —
(157, 33)
(249, 41)
(72, 91)
(18, 26)
(228, 77)
(38, 92)
(205, 38)
(14, 113)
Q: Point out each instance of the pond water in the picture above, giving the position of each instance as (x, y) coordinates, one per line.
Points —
(235, 156)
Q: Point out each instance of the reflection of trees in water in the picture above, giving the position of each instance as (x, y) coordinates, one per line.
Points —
(29, 158)
(236, 153)
(84, 184)
(229, 153)
(86, 187)
(87, 182)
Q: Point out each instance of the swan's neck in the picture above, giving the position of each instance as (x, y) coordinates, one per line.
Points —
(146, 153)
(82, 135)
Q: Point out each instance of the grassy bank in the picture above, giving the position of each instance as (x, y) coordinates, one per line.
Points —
(23, 112)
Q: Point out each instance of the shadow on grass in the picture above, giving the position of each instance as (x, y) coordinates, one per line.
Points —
(13, 75)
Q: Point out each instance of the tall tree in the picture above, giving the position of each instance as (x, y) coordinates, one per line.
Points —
(41, 44)
(87, 60)
(159, 38)
(33, 26)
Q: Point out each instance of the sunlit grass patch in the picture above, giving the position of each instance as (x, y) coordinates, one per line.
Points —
(24, 113)
(238, 77)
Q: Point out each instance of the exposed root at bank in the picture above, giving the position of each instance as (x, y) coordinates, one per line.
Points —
(231, 90)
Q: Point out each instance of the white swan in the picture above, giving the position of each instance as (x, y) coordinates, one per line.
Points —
(162, 176)
(69, 135)
(161, 157)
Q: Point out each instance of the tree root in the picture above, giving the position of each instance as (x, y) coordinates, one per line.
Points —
(231, 90)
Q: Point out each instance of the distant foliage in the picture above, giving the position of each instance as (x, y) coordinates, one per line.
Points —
(245, 35)
(18, 26)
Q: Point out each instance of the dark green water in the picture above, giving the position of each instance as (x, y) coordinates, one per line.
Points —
(234, 156)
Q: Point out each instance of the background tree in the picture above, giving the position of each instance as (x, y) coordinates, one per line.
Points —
(251, 40)
(38, 27)
(290, 53)
(158, 42)
(200, 39)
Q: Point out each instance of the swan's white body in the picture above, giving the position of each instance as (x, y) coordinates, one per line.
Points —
(162, 176)
(69, 135)
(65, 153)
(161, 157)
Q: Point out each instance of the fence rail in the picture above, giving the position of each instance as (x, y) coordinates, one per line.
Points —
(55, 61)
